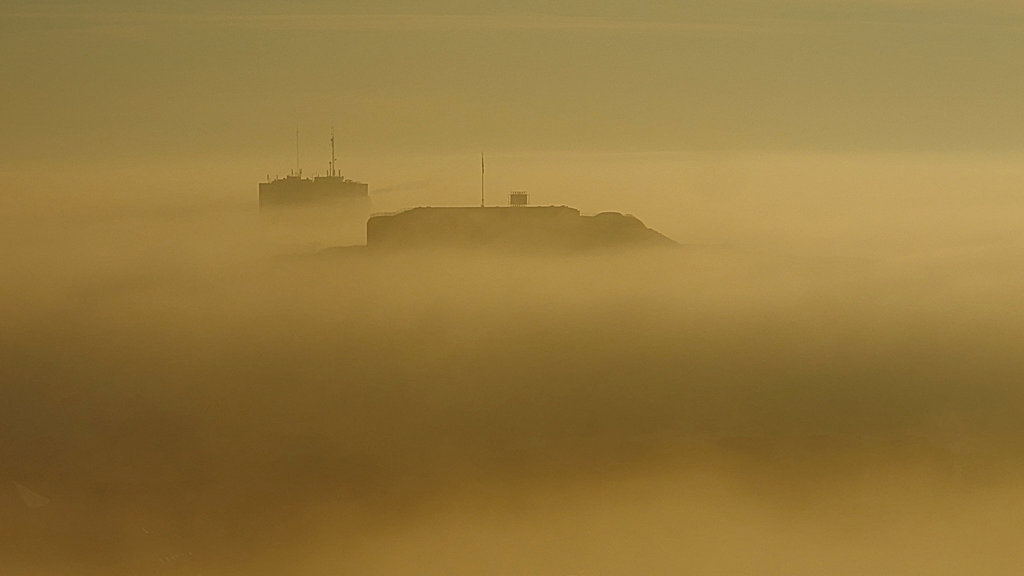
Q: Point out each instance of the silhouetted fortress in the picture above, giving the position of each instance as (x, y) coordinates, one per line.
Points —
(527, 227)
(516, 226)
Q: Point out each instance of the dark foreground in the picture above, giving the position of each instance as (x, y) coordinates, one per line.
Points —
(604, 414)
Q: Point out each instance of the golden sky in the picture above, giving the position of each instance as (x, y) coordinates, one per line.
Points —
(175, 80)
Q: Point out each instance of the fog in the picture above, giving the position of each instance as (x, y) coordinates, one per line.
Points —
(824, 377)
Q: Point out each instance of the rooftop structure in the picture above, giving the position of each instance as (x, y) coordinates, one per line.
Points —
(518, 198)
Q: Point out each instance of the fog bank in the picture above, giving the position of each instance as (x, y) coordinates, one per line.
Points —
(180, 397)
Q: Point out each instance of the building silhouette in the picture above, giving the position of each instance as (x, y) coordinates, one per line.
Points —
(295, 191)
(325, 209)
(515, 227)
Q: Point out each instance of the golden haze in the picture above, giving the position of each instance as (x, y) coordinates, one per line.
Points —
(824, 378)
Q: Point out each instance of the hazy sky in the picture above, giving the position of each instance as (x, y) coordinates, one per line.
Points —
(824, 380)
(229, 79)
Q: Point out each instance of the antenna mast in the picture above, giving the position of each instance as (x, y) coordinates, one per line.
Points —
(297, 168)
(334, 161)
(481, 179)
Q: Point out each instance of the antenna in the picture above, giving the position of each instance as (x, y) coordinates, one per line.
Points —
(334, 161)
(297, 165)
(481, 179)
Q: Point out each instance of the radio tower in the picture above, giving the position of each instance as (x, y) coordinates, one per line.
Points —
(334, 161)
